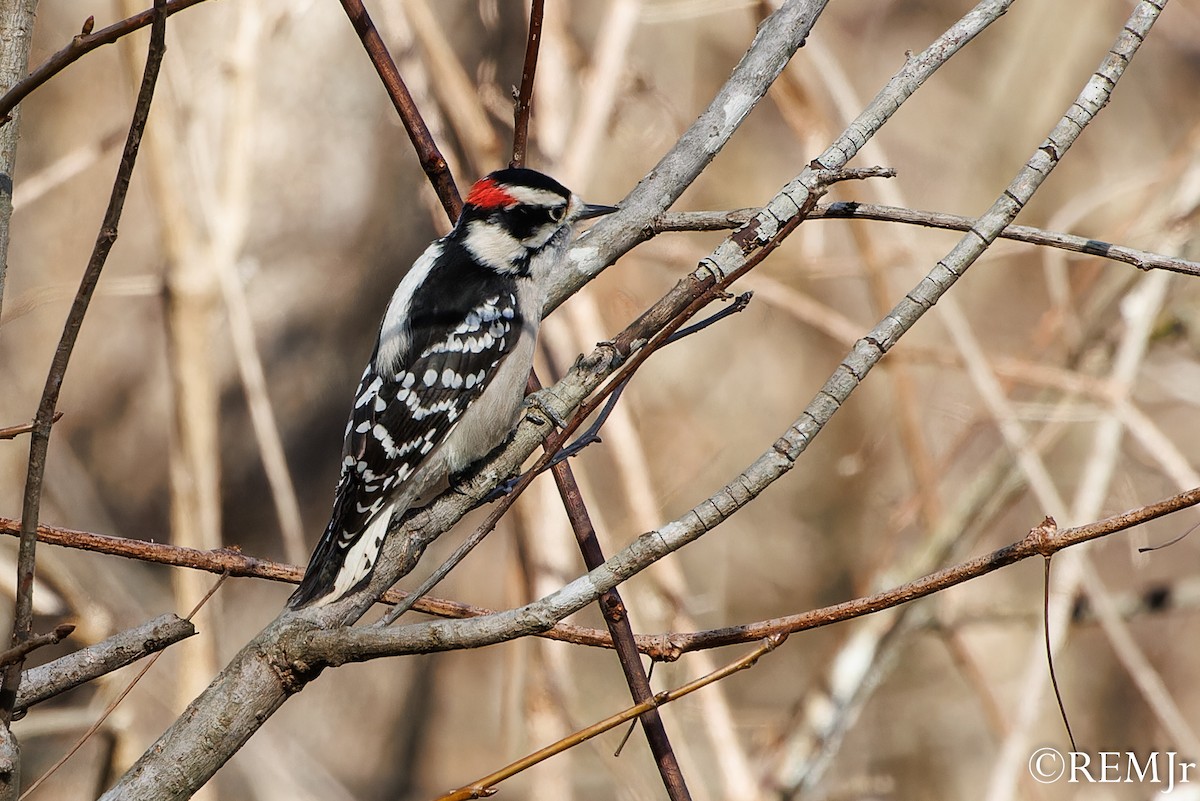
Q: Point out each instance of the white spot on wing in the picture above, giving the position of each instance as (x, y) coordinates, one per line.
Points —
(368, 392)
(385, 440)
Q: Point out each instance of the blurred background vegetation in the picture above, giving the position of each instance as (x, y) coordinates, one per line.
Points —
(278, 202)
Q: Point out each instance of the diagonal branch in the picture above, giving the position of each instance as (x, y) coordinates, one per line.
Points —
(616, 618)
(612, 607)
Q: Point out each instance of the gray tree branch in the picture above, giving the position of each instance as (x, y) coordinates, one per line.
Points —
(16, 37)
(94, 661)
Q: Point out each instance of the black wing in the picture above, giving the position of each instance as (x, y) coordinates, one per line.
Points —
(401, 414)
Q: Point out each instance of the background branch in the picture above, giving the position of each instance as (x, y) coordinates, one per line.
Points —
(523, 105)
(853, 210)
(80, 46)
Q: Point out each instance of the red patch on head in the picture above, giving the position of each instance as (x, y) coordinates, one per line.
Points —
(487, 194)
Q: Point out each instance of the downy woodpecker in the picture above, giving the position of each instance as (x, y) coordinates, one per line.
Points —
(447, 377)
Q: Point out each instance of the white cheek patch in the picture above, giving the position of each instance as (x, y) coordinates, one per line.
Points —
(493, 245)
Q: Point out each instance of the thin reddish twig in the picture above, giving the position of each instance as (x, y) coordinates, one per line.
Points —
(616, 618)
(432, 161)
(239, 565)
(12, 432)
(485, 787)
(663, 647)
(524, 105)
(1044, 539)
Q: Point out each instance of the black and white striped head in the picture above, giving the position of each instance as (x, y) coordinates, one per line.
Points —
(513, 215)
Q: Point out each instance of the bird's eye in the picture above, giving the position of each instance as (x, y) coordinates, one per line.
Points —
(557, 212)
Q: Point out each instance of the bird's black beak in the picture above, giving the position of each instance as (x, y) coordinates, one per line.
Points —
(591, 210)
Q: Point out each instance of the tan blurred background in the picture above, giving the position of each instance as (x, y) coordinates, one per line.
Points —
(278, 202)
